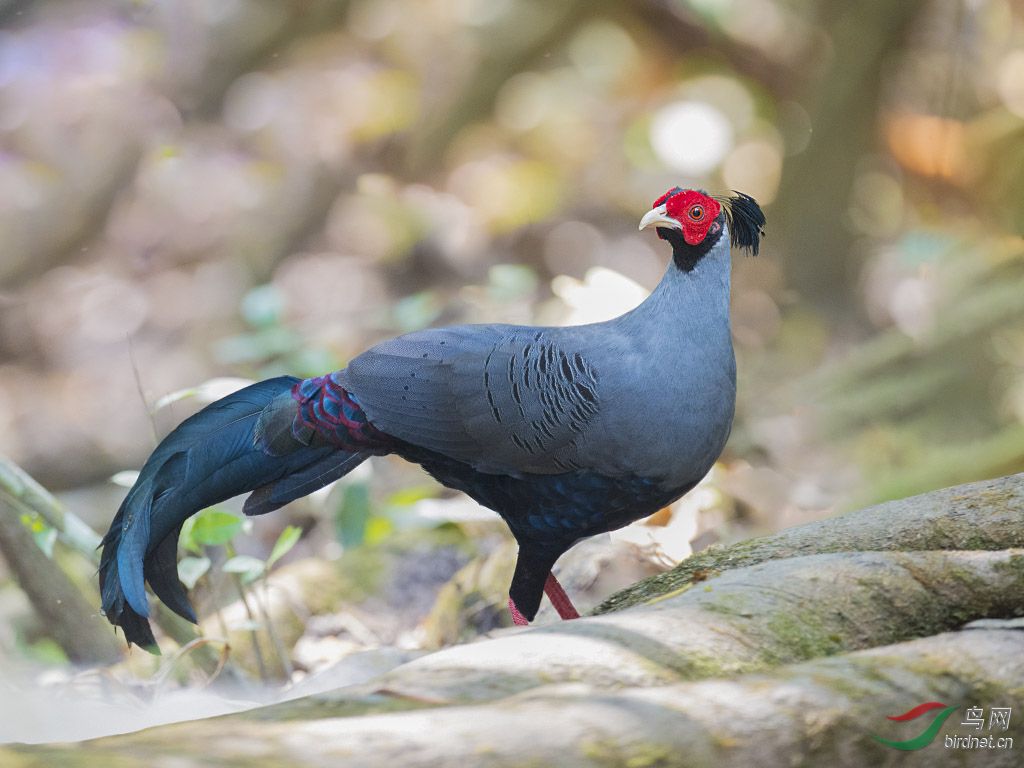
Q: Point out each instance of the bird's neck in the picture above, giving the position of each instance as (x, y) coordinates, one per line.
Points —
(686, 256)
(694, 293)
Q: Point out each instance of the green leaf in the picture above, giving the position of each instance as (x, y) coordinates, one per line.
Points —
(172, 397)
(125, 478)
(289, 538)
(33, 522)
(378, 529)
(214, 527)
(256, 346)
(207, 392)
(250, 568)
(192, 569)
(311, 361)
(46, 538)
(44, 535)
(417, 311)
(45, 651)
(353, 514)
(511, 282)
(186, 540)
(408, 496)
(263, 306)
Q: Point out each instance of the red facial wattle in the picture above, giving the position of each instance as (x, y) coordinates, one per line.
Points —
(695, 212)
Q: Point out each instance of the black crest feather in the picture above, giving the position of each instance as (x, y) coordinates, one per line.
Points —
(746, 220)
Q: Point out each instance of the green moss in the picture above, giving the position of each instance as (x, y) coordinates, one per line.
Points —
(935, 532)
(612, 754)
(1013, 565)
(729, 603)
(668, 595)
(691, 571)
(800, 635)
(66, 757)
(854, 688)
(989, 498)
(699, 666)
(649, 756)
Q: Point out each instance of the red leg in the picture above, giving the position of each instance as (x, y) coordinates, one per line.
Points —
(559, 599)
(517, 618)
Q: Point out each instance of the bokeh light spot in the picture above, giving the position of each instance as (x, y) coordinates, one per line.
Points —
(1011, 82)
(756, 168)
(691, 136)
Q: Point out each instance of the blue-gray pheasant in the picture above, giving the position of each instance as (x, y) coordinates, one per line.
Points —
(564, 432)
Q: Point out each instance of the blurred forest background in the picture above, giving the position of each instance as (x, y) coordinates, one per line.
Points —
(196, 193)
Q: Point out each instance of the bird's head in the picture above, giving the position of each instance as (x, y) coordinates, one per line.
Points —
(699, 218)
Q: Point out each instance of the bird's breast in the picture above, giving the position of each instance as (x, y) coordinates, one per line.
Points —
(667, 421)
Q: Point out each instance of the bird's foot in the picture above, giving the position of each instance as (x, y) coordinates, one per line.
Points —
(559, 599)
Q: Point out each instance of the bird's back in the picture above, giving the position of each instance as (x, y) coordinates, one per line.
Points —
(521, 400)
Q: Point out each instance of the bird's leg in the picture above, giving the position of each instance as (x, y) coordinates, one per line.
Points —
(517, 618)
(559, 599)
(532, 579)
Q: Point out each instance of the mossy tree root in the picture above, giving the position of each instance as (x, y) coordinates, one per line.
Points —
(988, 515)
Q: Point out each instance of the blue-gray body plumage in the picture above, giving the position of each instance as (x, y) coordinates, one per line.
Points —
(651, 392)
(564, 431)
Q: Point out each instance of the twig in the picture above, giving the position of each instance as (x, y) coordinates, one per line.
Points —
(237, 581)
(141, 391)
(275, 638)
(186, 649)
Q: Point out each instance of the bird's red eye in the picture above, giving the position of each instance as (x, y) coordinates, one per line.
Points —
(696, 212)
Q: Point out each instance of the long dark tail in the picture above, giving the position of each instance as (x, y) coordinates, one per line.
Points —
(251, 440)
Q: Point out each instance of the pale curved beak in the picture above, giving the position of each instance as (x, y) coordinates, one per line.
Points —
(659, 217)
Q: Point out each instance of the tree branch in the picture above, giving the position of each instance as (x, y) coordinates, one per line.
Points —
(77, 627)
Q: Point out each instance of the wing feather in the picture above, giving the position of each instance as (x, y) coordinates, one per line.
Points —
(502, 398)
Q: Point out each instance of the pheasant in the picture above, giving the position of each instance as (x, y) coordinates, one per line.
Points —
(565, 432)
